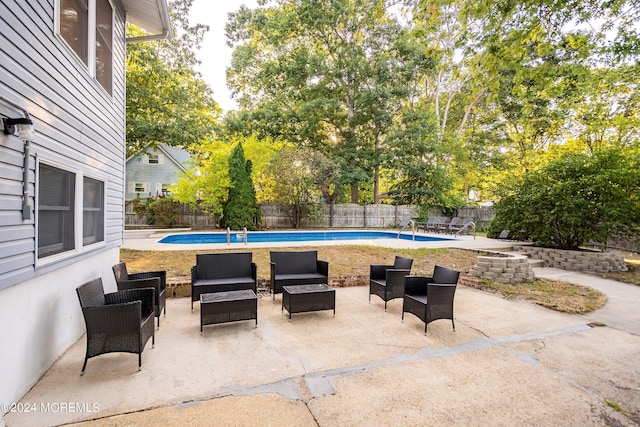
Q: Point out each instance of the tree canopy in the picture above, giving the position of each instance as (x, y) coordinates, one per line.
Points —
(167, 100)
(427, 101)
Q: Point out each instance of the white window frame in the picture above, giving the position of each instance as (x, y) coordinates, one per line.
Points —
(78, 210)
(91, 54)
(104, 213)
(145, 185)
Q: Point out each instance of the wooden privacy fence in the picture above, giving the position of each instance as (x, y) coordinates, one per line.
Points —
(329, 216)
(341, 216)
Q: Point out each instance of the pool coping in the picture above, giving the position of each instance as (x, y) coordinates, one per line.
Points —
(137, 242)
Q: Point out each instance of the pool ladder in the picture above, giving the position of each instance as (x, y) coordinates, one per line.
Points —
(413, 229)
(244, 235)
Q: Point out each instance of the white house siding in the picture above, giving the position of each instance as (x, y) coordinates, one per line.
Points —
(41, 318)
(78, 126)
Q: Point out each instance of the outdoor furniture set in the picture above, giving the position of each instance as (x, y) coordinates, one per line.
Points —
(225, 285)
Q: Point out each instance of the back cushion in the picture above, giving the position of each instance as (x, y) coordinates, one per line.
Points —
(223, 266)
(445, 275)
(295, 262)
(403, 263)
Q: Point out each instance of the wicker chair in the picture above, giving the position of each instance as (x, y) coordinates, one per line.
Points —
(116, 322)
(431, 298)
(147, 279)
(387, 281)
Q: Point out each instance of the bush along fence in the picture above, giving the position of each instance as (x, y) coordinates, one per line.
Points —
(327, 216)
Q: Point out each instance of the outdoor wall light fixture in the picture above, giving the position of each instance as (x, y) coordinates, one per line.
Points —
(23, 125)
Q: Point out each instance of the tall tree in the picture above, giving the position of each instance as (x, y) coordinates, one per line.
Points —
(241, 209)
(167, 100)
(298, 174)
(321, 74)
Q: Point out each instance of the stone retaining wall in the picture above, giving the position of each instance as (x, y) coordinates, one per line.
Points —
(503, 268)
(586, 261)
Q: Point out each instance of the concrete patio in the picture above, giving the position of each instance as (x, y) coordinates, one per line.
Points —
(507, 363)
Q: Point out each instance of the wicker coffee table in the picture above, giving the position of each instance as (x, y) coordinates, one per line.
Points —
(303, 298)
(229, 306)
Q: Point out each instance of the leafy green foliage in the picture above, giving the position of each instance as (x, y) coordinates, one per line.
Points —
(574, 200)
(160, 212)
(241, 209)
(206, 183)
(167, 100)
(298, 174)
(324, 75)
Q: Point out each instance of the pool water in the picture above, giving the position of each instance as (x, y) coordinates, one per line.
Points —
(291, 236)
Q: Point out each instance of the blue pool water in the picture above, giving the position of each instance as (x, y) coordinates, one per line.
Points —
(291, 236)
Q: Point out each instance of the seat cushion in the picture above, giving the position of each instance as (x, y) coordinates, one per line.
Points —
(301, 278)
(381, 282)
(226, 281)
(419, 298)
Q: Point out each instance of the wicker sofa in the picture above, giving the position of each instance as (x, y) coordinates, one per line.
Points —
(222, 272)
(296, 268)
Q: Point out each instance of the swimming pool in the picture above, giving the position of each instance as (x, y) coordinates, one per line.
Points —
(291, 236)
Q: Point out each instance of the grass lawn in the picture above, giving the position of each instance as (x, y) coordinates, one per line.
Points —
(355, 260)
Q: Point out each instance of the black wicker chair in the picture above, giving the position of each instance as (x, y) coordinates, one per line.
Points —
(431, 298)
(116, 322)
(147, 279)
(387, 281)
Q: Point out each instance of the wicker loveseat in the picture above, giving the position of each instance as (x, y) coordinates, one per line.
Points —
(116, 322)
(296, 268)
(222, 272)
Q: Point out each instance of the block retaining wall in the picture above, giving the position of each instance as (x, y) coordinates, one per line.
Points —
(584, 261)
(503, 268)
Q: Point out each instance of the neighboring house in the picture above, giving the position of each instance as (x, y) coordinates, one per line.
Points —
(62, 68)
(151, 173)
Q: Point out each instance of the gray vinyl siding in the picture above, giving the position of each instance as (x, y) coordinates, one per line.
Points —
(78, 126)
(175, 163)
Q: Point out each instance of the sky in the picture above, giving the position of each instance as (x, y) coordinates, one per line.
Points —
(215, 55)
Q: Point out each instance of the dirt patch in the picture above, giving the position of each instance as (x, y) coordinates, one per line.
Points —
(343, 260)
(553, 294)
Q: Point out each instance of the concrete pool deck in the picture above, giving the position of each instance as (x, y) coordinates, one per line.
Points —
(507, 363)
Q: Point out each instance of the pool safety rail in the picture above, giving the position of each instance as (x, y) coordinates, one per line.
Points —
(413, 229)
(243, 237)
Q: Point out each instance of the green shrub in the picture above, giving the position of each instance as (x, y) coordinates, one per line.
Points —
(574, 200)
